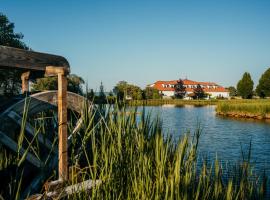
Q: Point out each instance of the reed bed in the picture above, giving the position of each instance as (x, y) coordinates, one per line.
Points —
(133, 159)
(259, 109)
(176, 102)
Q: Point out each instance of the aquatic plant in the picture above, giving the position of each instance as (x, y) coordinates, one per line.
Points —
(133, 159)
(245, 108)
(176, 102)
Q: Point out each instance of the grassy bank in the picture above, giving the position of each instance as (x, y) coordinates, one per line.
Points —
(177, 102)
(258, 109)
(135, 161)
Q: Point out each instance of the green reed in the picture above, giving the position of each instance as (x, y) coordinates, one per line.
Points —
(176, 102)
(135, 159)
(257, 107)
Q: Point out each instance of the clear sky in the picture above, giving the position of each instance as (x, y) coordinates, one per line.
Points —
(142, 41)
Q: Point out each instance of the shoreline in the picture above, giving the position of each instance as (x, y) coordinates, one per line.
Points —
(244, 115)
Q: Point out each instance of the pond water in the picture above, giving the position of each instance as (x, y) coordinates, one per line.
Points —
(221, 137)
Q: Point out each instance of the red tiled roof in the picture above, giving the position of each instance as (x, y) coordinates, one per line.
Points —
(159, 85)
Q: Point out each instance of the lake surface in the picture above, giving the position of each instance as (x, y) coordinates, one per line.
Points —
(221, 137)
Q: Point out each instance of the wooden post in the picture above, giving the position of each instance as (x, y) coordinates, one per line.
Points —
(62, 127)
(25, 82)
(62, 120)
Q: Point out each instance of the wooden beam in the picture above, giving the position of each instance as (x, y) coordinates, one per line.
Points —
(73, 189)
(24, 59)
(63, 192)
(62, 127)
(52, 71)
(25, 81)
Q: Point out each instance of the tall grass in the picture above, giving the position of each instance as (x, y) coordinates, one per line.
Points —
(133, 159)
(245, 108)
(177, 102)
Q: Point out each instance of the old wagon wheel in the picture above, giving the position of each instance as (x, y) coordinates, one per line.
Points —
(36, 105)
(33, 65)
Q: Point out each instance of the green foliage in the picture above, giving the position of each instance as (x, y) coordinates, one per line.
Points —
(124, 91)
(90, 95)
(10, 80)
(263, 88)
(111, 98)
(50, 83)
(101, 98)
(245, 86)
(176, 102)
(258, 108)
(151, 93)
(120, 90)
(133, 159)
(198, 92)
(180, 90)
(7, 35)
(232, 91)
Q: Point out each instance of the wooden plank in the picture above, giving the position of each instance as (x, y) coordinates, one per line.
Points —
(62, 127)
(29, 129)
(52, 71)
(24, 59)
(63, 192)
(41, 100)
(11, 144)
(73, 189)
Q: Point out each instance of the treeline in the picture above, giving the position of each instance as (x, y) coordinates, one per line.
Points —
(122, 92)
(245, 86)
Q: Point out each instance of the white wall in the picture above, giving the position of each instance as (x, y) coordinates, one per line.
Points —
(168, 93)
(213, 94)
(219, 94)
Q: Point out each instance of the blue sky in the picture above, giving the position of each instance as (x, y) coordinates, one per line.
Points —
(144, 41)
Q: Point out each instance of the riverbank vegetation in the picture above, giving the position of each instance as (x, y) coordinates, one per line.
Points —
(257, 109)
(133, 159)
(176, 102)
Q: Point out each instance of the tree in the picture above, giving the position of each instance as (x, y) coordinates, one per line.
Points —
(263, 88)
(134, 92)
(10, 80)
(50, 83)
(198, 92)
(7, 35)
(245, 86)
(75, 83)
(91, 95)
(120, 90)
(102, 96)
(151, 93)
(123, 90)
(232, 91)
(180, 89)
(111, 98)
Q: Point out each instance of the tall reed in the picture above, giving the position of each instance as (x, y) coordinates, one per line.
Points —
(132, 157)
(245, 108)
(177, 102)
(134, 160)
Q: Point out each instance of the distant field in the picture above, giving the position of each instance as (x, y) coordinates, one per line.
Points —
(177, 102)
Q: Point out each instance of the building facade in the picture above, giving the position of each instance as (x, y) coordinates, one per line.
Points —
(213, 90)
